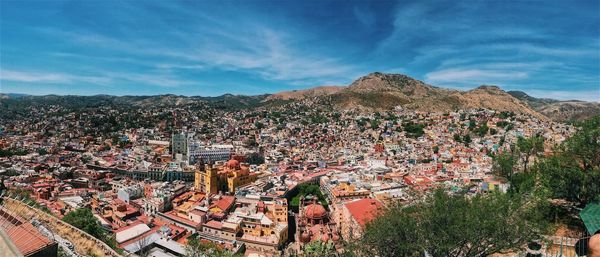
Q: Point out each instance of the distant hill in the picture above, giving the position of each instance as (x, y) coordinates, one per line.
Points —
(375, 91)
(559, 110)
(305, 93)
(380, 91)
(385, 91)
(227, 101)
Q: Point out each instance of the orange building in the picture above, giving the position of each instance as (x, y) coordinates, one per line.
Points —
(223, 177)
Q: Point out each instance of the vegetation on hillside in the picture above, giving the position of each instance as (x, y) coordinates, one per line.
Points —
(413, 130)
(83, 219)
(571, 173)
(454, 225)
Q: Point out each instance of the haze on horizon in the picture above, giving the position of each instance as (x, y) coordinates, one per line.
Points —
(546, 48)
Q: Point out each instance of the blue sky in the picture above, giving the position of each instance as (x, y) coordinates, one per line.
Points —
(545, 48)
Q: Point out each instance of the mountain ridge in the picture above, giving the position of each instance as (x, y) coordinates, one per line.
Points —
(385, 91)
(559, 110)
(375, 91)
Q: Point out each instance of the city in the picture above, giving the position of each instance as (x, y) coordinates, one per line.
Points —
(117, 142)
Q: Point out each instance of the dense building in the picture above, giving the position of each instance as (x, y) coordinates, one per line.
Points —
(361, 162)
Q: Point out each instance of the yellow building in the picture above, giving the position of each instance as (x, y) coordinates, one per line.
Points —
(267, 220)
(224, 177)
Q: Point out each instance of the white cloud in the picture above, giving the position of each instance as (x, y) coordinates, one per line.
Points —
(590, 96)
(48, 77)
(108, 78)
(480, 76)
(256, 49)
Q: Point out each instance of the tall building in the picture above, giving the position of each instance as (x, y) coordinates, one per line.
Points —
(179, 143)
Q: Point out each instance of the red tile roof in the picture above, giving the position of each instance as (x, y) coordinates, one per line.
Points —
(173, 216)
(214, 224)
(224, 203)
(364, 210)
(24, 235)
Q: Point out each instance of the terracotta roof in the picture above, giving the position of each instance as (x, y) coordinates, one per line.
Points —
(214, 224)
(315, 211)
(24, 235)
(185, 221)
(364, 210)
(224, 203)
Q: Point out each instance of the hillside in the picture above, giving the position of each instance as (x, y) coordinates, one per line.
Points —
(385, 91)
(305, 93)
(10, 104)
(376, 91)
(559, 110)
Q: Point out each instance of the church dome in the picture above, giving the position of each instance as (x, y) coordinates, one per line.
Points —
(233, 163)
(315, 211)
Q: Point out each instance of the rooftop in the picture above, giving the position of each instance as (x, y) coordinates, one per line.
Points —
(23, 235)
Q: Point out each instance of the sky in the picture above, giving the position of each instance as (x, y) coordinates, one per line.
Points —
(546, 48)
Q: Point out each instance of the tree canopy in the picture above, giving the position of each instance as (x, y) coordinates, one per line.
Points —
(319, 248)
(84, 219)
(572, 172)
(454, 225)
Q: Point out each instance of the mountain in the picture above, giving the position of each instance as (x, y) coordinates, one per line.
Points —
(305, 93)
(385, 91)
(375, 91)
(559, 110)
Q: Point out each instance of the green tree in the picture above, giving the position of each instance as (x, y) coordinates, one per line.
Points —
(562, 176)
(319, 248)
(42, 151)
(584, 145)
(413, 130)
(454, 225)
(529, 147)
(467, 139)
(457, 137)
(574, 171)
(84, 219)
(482, 129)
(375, 123)
(472, 124)
(504, 165)
(308, 189)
